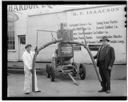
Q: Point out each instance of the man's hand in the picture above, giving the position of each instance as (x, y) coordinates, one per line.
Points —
(36, 50)
(110, 68)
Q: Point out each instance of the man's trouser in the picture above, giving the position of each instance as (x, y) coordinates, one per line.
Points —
(105, 76)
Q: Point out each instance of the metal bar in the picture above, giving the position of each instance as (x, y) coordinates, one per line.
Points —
(37, 38)
(33, 68)
(49, 43)
(93, 61)
(74, 81)
(52, 36)
(95, 67)
(62, 70)
(33, 72)
(94, 64)
(84, 37)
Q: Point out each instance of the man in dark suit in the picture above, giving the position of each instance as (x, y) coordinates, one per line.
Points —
(105, 59)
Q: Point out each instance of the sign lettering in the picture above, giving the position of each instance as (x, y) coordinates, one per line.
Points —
(98, 22)
(15, 8)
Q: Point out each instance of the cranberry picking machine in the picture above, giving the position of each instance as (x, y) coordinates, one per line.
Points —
(63, 62)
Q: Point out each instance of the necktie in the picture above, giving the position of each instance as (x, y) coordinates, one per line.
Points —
(102, 48)
(100, 56)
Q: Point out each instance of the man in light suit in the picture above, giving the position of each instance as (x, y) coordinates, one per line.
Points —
(105, 59)
(27, 60)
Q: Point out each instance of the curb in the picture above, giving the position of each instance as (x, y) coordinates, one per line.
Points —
(21, 70)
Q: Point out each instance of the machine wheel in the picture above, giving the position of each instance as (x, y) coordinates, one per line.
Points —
(52, 73)
(82, 71)
(74, 69)
(48, 70)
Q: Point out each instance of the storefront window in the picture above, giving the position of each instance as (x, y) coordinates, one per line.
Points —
(11, 36)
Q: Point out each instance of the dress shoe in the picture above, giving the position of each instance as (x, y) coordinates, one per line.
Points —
(27, 93)
(108, 91)
(102, 90)
(38, 91)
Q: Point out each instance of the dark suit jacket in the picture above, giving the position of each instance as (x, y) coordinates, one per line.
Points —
(108, 57)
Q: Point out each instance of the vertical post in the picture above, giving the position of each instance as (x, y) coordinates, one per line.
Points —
(95, 67)
(33, 65)
(33, 74)
(84, 37)
(37, 38)
(61, 32)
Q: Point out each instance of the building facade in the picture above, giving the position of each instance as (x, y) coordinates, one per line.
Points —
(38, 24)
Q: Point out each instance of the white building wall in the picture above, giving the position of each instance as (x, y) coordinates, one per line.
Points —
(20, 29)
(21, 25)
(52, 21)
(22, 11)
(28, 25)
(44, 22)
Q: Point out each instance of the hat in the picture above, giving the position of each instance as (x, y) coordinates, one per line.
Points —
(104, 38)
(28, 46)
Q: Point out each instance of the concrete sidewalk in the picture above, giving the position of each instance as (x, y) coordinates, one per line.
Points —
(63, 86)
(119, 72)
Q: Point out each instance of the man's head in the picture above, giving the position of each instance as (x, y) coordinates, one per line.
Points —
(104, 40)
(28, 47)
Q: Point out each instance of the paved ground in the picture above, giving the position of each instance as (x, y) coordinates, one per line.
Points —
(63, 86)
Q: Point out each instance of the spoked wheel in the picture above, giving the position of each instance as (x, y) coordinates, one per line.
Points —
(48, 70)
(74, 69)
(52, 73)
(82, 71)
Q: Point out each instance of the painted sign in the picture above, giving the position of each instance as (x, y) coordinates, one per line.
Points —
(98, 22)
(15, 8)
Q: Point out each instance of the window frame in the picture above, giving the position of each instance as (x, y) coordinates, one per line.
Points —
(11, 41)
